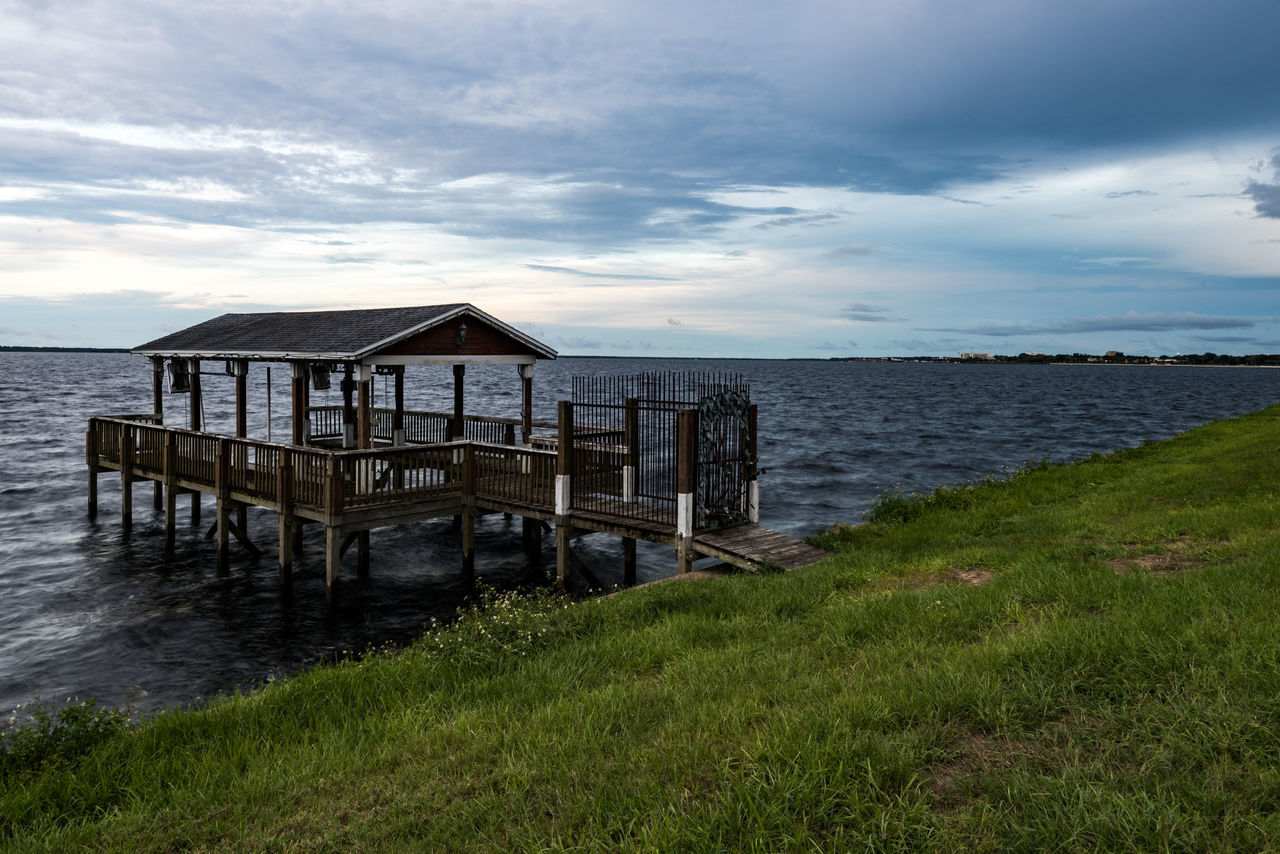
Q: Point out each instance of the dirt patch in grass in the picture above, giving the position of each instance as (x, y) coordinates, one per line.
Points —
(972, 575)
(979, 753)
(1167, 559)
(924, 579)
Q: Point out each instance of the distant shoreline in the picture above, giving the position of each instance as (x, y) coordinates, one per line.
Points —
(1272, 361)
(6, 348)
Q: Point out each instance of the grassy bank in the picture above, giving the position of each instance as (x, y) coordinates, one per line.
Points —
(1084, 656)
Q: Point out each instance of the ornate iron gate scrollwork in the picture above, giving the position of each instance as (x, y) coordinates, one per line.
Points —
(724, 464)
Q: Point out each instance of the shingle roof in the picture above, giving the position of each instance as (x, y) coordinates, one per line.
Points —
(337, 335)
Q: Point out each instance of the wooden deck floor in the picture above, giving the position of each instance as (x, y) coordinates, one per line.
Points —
(750, 546)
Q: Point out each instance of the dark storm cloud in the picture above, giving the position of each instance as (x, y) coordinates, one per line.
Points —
(1087, 73)
(637, 119)
(1116, 323)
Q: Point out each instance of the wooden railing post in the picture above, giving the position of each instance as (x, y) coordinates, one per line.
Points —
(526, 403)
(686, 486)
(334, 488)
(397, 414)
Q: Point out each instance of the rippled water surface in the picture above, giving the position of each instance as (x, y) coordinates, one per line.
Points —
(87, 610)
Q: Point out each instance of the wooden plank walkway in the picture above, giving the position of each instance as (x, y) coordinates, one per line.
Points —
(749, 546)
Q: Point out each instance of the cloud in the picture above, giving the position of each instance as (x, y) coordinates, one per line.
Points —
(577, 342)
(805, 220)
(618, 276)
(1227, 339)
(671, 321)
(1131, 322)
(864, 312)
(1130, 194)
(852, 251)
(1266, 197)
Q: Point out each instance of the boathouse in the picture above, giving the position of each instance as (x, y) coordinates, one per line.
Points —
(669, 458)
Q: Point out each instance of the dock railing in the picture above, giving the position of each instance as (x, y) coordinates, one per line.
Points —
(273, 474)
(624, 461)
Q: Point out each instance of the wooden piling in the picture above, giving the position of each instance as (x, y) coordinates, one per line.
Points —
(362, 554)
(126, 478)
(222, 485)
(284, 517)
(170, 489)
(364, 407)
(468, 513)
(564, 559)
(686, 484)
(91, 459)
(531, 534)
(564, 493)
(332, 527)
(332, 558)
(629, 561)
(526, 402)
(241, 367)
(458, 428)
(468, 542)
(397, 419)
(196, 422)
(157, 412)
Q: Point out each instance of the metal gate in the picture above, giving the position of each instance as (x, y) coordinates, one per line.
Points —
(626, 441)
(725, 459)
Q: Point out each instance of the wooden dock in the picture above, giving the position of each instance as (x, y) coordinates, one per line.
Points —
(751, 546)
(669, 458)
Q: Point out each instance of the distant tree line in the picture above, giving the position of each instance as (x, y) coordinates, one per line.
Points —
(1122, 359)
(1110, 358)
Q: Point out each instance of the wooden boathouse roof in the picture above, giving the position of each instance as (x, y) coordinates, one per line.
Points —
(454, 333)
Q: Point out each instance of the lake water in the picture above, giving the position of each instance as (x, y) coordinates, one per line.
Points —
(86, 610)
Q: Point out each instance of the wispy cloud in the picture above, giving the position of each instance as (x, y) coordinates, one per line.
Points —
(852, 251)
(863, 312)
(571, 271)
(799, 220)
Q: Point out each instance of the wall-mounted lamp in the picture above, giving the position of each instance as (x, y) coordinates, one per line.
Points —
(462, 334)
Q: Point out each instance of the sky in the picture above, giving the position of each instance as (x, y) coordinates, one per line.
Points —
(741, 179)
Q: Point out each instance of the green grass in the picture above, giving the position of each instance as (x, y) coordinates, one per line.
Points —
(1079, 657)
